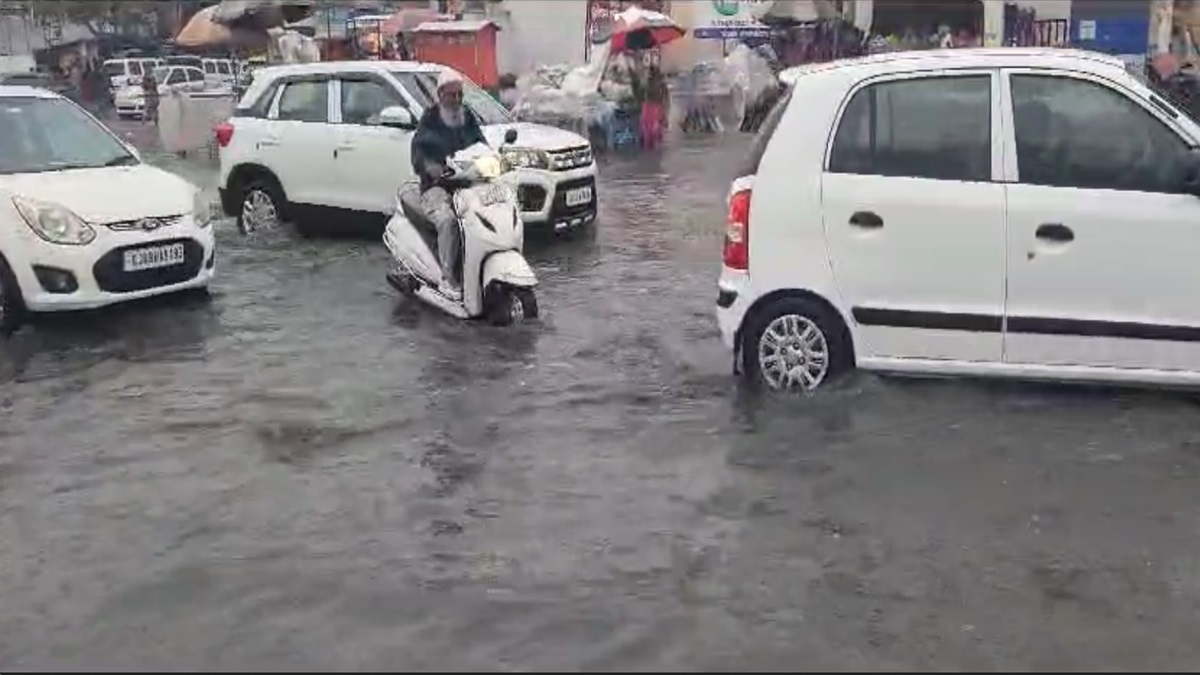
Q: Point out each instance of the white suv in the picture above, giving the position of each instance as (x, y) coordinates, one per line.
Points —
(83, 222)
(309, 135)
(1017, 212)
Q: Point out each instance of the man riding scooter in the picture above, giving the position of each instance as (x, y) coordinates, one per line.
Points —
(444, 129)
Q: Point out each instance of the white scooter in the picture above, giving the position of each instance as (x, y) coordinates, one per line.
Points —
(497, 282)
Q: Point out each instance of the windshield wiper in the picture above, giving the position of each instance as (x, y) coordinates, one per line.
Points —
(123, 160)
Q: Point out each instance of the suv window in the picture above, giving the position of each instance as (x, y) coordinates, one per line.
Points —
(210, 68)
(222, 68)
(1080, 134)
(363, 100)
(135, 68)
(176, 77)
(194, 75)
(305, 102)
(935, 127)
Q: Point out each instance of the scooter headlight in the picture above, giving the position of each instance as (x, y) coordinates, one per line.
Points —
(489, 167)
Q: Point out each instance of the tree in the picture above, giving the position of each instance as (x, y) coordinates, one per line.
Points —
(98, 16)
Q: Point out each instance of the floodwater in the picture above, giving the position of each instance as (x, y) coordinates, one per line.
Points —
(309, 472)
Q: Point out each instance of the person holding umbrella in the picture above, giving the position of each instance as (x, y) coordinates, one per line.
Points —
(640, 30)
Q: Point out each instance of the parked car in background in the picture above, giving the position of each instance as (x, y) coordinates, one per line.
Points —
(287, 148)
(130, 101)
(83, 221)
(125, 72)
(1013, 212)
(219, 73)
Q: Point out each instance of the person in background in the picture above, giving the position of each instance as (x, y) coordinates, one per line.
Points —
(150, 97)
(509, 95)
(655, 99)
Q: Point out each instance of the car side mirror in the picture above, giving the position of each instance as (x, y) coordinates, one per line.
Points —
(510, 137)
(397, 117)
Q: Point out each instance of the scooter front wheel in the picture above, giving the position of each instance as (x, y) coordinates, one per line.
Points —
(508, 304)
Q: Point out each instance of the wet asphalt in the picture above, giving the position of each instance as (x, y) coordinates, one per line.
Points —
(308, 472)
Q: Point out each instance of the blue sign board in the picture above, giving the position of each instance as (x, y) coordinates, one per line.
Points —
(732, 32)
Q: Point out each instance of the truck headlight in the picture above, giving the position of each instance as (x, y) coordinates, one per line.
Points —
(54, 223)
(526, 158)
(202, 210)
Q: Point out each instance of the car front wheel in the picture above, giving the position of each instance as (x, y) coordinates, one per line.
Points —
(12, 308)
(794, 344)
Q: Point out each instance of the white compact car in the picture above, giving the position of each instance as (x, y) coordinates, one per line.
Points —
(130, 100)
(83, 222)
(309, 135)
(1019, 212)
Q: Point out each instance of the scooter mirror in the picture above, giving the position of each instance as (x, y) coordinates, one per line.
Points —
(510, 136)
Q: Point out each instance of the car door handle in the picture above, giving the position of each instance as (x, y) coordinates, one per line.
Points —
(866, 219)
(268, 143)
(1055, 232)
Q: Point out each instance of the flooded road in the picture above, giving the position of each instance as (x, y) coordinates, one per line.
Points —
(308, 472)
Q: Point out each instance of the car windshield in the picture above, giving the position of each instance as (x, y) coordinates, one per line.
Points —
(24, 79)
(43, 134)
(423, 87)
(113, 68)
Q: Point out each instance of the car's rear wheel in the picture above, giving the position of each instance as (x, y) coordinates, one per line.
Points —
(12, 306)
(795, 344)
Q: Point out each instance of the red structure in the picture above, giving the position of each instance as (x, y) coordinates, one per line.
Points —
(466, 46)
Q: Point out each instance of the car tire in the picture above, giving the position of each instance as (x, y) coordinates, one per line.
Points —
(12, 305)
(261, 206)
(795, 344)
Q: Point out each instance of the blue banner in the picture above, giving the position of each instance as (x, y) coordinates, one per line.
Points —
(732, 32)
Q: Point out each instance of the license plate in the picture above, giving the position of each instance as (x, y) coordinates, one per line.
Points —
(493, 194)
(579, 196)
(153, 257)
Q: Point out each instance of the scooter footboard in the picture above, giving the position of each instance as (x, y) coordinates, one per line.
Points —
(508, 267)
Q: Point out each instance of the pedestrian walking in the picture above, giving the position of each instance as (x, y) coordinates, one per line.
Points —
(150, 97)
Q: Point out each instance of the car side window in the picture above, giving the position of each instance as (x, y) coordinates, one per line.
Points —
(195, 75)
(176, 77)
(305, 101)
(210, 68)
(135, 68)
(222, 68)
(933, 127)
(363, 100)
(1079, 134)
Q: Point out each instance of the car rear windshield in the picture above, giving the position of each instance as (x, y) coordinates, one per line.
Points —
(47, 134)
(758, 147)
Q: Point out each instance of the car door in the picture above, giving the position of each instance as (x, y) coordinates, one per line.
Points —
(303, 156)
(1102, 243)
(371, 160)
(914, 220)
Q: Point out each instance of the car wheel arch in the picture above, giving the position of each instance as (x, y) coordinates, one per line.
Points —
(771, 298)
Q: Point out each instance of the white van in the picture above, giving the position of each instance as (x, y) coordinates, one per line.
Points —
(128, 71)
(219, 73)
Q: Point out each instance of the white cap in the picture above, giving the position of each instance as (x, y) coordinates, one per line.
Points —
(448, 76)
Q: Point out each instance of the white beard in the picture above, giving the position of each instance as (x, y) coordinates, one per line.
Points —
(455, 119)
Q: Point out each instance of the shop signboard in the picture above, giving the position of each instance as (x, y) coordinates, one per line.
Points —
(729, 19)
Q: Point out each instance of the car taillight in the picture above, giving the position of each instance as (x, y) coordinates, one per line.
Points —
(737, 231)
(224, 132)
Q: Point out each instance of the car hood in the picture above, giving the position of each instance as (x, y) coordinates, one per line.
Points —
(536, 136)
(107, 195)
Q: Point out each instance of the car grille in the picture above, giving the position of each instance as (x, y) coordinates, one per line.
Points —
(571, 158)
(111, 276)
(559, 209)
(146, 224)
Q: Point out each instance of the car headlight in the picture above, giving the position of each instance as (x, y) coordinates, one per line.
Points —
(526, 158)
(54, 223)
(202, 209)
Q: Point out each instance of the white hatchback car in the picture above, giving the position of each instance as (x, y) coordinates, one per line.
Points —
(1016, 212)
(308, 136)
(83, 222)
(130, 100)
